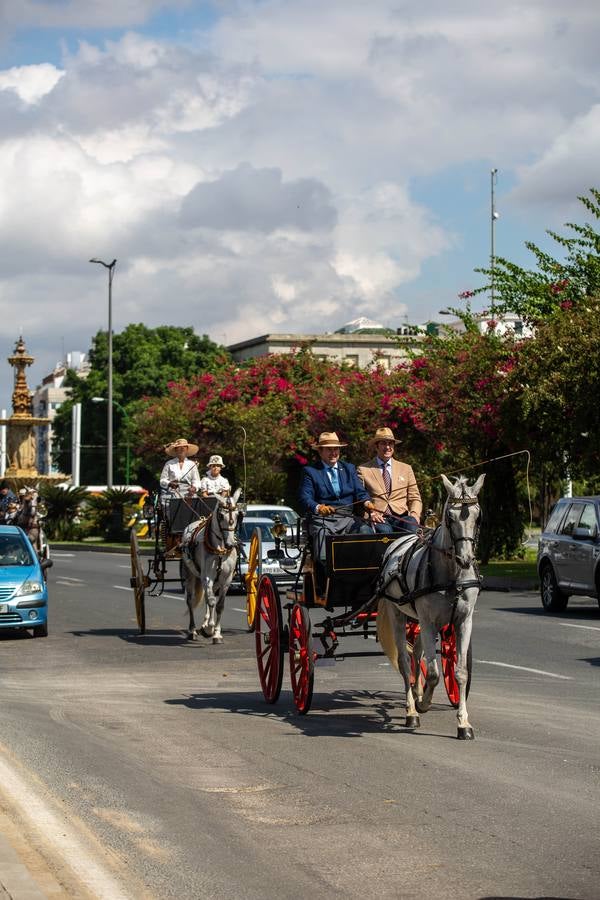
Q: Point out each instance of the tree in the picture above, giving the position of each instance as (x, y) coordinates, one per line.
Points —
(145, 362)
(555, 284)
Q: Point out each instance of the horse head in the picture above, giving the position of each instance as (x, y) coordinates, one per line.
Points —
(227, 513)
(462, 516)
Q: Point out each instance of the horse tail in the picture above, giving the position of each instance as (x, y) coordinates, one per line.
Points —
(198, 593)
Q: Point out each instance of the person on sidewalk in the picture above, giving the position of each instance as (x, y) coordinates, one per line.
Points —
(392, 486)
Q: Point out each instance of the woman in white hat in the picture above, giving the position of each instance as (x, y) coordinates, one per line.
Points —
(213, 482)
(180, 475)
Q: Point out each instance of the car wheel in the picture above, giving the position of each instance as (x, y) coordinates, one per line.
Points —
(40, 630)
(553, 599)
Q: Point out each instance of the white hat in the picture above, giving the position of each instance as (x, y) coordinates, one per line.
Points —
(215, 460)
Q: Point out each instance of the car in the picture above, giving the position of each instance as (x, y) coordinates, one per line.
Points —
(283, 571)
(568, 558)
(265, 511)
(23, 589)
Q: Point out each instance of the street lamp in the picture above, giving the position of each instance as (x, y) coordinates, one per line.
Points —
(109, 420)
(127, 447)
(494, 215)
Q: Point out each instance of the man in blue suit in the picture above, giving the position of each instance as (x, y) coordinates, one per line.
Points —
(332, 495)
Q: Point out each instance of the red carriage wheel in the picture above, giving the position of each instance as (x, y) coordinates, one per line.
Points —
(302, 664)
(449, 657)
(268, 634)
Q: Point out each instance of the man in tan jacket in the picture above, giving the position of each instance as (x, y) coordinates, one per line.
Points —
(392, 486)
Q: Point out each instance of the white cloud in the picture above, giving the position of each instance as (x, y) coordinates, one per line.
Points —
(30, 83)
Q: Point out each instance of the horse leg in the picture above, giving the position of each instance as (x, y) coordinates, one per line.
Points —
(208, 625)
(193, 595)
(463, 639)
(412, 716)
(219, 607)
(428, 642)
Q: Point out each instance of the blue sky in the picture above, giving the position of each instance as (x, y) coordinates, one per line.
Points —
(277, 165)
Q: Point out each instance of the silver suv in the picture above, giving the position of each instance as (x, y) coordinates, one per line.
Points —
(568, 559)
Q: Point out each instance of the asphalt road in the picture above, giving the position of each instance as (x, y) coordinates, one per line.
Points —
(160, 772)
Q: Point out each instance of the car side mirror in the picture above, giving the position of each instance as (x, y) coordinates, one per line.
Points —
(46, 564)
(584, 531)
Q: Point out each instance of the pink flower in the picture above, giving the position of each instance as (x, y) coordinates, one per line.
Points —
(464, 295)
(301, 459)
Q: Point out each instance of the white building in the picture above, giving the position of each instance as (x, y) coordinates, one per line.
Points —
(47, 398)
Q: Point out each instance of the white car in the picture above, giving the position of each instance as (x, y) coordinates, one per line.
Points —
(283, 570)
(265, 511)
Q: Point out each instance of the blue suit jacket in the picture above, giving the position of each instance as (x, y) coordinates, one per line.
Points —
(315, 487)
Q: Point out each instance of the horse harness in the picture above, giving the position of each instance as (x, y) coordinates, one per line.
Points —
(220, 552)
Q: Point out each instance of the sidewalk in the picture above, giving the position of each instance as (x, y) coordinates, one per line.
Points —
(16, 881)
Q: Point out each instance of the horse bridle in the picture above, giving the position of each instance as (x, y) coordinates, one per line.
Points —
(455, 504)
(230, 508)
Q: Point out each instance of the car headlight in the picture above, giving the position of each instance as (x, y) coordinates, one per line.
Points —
(30, 587)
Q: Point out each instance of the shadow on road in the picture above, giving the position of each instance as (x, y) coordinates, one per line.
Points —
(337, 714)
(576, 613)
(165, 637)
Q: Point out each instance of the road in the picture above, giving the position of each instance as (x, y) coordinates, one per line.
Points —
(150, 766)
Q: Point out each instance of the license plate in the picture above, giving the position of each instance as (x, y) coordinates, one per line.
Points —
(3, 607)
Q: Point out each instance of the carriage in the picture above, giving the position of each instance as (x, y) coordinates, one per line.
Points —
(167, 520)
(309, 626)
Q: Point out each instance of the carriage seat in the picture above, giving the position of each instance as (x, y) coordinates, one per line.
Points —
(182, 513)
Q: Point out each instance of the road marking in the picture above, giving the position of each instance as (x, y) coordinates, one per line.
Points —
(61, 555)
(72, 580)
(589, 627)
(68, 583)
(490, 662)
(56, 830)
(121, 587)
(237, 609)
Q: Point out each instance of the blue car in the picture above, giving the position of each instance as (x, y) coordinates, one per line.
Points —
(23, 591)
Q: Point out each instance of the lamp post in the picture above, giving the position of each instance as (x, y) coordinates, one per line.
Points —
(127, 447)
(109, 419)
(493, 216)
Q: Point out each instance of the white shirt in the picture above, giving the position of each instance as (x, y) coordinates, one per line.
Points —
(186, 472)
(214, 485)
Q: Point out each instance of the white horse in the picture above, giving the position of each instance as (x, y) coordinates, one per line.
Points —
(435, 581)
(209, 554)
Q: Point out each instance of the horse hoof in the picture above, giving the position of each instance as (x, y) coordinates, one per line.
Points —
(466, 734)
(191, 635)
(217, 640)
(207, 632)
(412, 722)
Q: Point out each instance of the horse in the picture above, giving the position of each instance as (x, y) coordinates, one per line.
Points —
(436, 581)
(209, 553)
(28, 517)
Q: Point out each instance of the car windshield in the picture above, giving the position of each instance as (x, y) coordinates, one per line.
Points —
(14, 551)
(288, 516)
(248, 527)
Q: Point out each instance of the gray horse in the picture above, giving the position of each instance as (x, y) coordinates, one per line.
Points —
(436, 582)
(209, 554)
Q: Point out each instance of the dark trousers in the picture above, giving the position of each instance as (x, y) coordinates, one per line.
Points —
(399, 524)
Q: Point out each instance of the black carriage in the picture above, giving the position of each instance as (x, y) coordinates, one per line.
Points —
(167, 519)
(313, 618)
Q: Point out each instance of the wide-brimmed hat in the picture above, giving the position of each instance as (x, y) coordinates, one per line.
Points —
(181, 442)
(328, 439)
(215, 460)
(384, 434)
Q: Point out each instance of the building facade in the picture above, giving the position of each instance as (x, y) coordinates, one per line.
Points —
(47, 398)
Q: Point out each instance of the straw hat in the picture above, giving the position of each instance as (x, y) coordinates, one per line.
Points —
(328, 439)
(383, 434)
(181, 442)
(215, 460)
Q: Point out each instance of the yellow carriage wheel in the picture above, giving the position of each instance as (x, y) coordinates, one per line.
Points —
(253, 576)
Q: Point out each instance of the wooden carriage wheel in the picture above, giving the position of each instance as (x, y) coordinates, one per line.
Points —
(449, 657)
(253, 576)
(302, 663)
(269, 638)
(139, 582)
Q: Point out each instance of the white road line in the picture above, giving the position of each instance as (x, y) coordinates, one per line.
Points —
(58, 831)
(237, 609)
(589, 627)
(68, 584)
(490, 662)
(121, 587)
(61, 555)
(72, 580)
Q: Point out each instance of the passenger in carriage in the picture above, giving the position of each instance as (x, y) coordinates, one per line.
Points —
(213, 482)
(332, 497)
(392, 486)
(180, 476)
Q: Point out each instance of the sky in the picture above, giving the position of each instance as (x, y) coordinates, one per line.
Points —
(263, 166)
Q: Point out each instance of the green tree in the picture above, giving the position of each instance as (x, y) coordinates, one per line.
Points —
(554, 284)
(62, 510)
(145, 361)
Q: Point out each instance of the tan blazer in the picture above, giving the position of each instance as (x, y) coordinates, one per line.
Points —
(405, 496)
